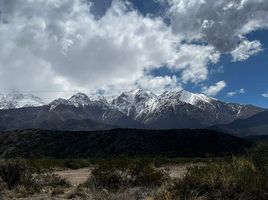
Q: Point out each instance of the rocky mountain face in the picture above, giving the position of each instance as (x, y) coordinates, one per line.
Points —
(180, 109)
(133, 109)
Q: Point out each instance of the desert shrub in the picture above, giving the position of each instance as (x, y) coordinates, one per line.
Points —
(13, 171)
(238, 179)
(51, 164)
(57, 191)
(25, 180)
(76, 163)
(49, 179)
(259, 156)
(80, 193)
(144, 174)
(109, 178)
(114, 176)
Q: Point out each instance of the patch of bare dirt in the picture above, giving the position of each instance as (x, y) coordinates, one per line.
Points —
(76, 176)
(178, 171)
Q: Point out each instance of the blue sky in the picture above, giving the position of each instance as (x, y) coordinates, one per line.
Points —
(251, 74)
(214, 47)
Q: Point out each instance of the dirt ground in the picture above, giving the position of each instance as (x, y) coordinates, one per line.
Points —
(75, 177)
(78, 176)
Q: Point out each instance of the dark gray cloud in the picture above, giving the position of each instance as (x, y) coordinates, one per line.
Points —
(223, 23)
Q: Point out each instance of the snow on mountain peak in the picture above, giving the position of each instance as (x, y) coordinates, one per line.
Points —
(193, 98)
(19, 100)
(80, 99)
(133, 102)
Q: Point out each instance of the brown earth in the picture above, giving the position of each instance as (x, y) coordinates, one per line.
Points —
(78, 176)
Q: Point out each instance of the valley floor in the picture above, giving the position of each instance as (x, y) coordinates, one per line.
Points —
(77, 177)
(240, 177)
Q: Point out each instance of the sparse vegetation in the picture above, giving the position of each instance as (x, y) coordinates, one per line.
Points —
(114, 176)
(19, 179)
(241, 177)
(13, 172)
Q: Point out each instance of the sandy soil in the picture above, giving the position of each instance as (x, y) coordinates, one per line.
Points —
(78, 176)
(75, 177)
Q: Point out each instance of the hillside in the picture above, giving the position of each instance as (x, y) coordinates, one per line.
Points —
(252, 126)
(119, 142)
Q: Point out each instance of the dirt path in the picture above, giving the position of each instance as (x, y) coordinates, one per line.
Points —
(75, 177)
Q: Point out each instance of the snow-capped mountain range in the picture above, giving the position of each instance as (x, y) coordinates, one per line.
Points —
(19, 100)
(132, 109)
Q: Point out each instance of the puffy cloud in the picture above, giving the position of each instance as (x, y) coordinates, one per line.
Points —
(62, 46)
(193, 60)
(265, 94)
(158, 84)
(223, 24)
(213, 90)
(234, 93)
(245, 50)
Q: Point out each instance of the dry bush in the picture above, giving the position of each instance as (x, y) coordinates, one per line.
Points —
(237, 180)
(13, 172)
(114, 177)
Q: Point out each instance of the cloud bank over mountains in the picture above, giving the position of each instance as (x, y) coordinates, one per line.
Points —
(61, 44)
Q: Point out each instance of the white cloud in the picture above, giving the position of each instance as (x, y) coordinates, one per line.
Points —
(213, 90)
(245, 50)
(223, 24)
(193, 60)
(158, 84)
(61, 46)
(265, 94)
(234, 93)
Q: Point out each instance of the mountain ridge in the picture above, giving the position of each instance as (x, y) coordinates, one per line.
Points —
(134, 109)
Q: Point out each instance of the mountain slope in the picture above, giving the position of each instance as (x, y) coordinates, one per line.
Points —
(119, 142)
(59, 114)
(79, 106)
(43, 118)
(180, 109)
(255, 125)
(133, 109)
